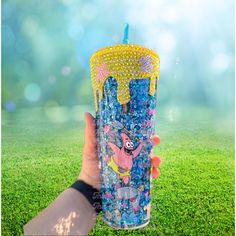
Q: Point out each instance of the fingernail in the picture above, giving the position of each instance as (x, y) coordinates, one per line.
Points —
(155, 173)
(156, 140)
(156, 161)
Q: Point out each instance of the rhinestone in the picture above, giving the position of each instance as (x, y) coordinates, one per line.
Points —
(124, 62)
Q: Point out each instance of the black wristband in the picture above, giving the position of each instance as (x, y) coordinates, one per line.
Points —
(91, 194)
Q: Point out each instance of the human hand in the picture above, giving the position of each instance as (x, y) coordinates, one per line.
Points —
(155, 160)
(90, 172)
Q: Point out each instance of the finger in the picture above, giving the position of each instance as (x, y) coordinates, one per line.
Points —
(156, 161)
(90, 142)
(155, 140)
(155, 173)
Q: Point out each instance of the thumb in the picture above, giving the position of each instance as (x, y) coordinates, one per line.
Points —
(90, 142)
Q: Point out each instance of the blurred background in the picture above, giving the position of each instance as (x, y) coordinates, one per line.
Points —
(46, 87)
(46, 47)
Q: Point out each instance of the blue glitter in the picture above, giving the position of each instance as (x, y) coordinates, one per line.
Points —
(125, 190)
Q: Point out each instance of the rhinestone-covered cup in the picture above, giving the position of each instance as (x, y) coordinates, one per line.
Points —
(124, 80)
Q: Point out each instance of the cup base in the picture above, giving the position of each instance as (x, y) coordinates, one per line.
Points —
(125, 227)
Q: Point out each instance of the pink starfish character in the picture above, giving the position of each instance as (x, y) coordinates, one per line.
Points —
(146, 64)
(102, 72)
(122, 161)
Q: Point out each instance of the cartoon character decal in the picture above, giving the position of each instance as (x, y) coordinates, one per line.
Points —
(131, 194)
(122, 160)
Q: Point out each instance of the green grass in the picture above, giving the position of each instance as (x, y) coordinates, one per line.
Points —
(193, 196)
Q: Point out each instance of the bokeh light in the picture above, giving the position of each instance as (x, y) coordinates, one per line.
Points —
(220, 62)
(46, 47)
(32, 92)
(65, 70)
(10, 106)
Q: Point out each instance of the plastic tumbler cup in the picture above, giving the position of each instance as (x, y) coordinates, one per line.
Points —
(124, 80)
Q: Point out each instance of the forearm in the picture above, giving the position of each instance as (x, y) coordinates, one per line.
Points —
(69, 214)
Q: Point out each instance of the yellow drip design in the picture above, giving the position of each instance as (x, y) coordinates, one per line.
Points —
(124, 62)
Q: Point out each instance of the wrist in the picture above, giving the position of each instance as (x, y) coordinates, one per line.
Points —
(90, 193)
(95, 183)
